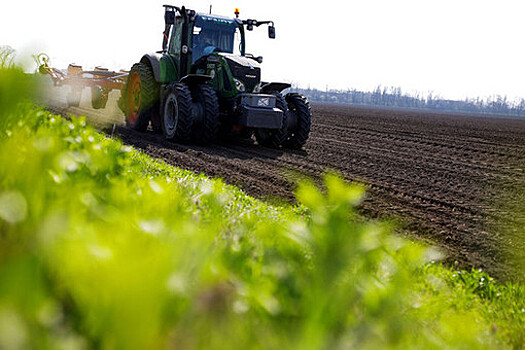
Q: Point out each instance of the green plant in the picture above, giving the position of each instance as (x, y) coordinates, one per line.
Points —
(6, 57)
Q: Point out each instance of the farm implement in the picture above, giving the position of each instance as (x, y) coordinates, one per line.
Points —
(100, 80)
(200, 86)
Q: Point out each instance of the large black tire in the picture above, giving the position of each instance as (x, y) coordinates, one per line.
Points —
(205, 132)
(274, 138)
(177, 113)
(141, 97)
(99, 97)
(298, 134)
(281, 102)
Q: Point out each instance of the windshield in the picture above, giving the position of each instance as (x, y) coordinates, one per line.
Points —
(212, 34)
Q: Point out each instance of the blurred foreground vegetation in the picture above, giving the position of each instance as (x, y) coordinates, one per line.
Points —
(104, 247)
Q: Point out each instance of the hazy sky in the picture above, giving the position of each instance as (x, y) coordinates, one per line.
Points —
(455, 48)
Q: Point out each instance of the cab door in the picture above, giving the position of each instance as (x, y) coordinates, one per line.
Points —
(175, 44)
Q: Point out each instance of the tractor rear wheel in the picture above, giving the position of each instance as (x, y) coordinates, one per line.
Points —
(207, 104)
(274, 138)
(177, 113)
(141, 97)
(99, 97)
(302, 114)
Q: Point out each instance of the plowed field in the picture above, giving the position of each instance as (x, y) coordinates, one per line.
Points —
(453, 180)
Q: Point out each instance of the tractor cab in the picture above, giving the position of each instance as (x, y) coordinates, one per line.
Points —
(216, 34)
(190, 36)
(204, 35)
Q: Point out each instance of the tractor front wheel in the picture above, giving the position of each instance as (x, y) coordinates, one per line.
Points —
(206, 104)
(177, 113)
(141, 97)
(300, 111)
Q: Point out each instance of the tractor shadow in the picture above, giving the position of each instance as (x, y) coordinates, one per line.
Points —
(231, 148)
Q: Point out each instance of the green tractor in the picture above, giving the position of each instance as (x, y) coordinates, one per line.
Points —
(203, 85)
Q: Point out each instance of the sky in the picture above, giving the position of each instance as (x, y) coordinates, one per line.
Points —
(452, 48)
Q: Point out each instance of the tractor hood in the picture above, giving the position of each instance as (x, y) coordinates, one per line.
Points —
(245, 69)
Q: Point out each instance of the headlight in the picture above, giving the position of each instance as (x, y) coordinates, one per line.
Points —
(257, 88)
(239, 85)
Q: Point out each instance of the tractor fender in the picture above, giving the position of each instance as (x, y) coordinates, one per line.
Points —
(195, 79)
(163, 67)
(270, 87)
(153, 59)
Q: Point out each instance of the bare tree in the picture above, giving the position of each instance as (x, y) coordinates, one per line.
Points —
(394, 97)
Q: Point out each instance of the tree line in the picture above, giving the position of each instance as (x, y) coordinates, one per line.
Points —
(394, 97)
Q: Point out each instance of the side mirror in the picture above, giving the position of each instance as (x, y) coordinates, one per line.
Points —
(271, 32)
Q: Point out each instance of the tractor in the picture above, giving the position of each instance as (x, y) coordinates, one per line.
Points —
(203, 85)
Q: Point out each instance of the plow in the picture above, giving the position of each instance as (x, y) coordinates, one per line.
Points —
(100, 80)
(200, 86)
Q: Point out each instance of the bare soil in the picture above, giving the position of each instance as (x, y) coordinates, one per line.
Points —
(454, 180)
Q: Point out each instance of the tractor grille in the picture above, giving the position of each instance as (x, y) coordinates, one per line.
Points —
(250, 76)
